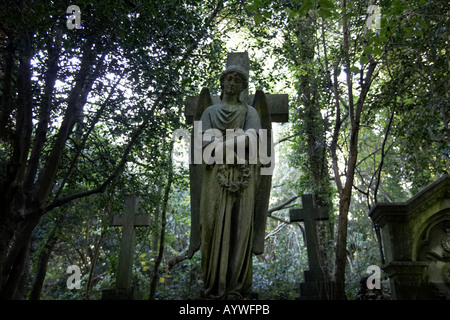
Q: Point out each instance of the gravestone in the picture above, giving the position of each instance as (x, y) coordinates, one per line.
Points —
(416, 242)
(225, 195)
(128, 220)
(316, 285)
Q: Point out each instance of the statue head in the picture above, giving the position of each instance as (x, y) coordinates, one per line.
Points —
(236, 69)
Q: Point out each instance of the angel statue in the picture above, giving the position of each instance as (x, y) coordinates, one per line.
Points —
(229, 196)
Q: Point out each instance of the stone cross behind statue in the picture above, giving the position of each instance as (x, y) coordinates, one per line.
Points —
(128, 220)
(309, 214)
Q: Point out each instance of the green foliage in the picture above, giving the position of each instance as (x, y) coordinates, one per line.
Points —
(146, 56)
(184, 281)
(395, 161)
(278, 272)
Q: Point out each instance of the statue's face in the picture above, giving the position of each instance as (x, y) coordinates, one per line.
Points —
(233, 84)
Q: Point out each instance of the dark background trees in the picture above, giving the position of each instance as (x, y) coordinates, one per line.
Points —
(87, 116)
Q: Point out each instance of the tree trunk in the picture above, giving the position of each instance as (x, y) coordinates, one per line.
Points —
(165, 200)
(341, 243)
(93, 263)
(21, 204)
(26, 182)
(354, 114)
(313, 128)
(15, 261)
(44, 257)
(346, 191)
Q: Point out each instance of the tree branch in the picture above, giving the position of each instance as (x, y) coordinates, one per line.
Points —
(24, 127)
(383, 154)
(165, 200)
(281, 205)
(137, 133)
(98, 114)
(48, 174)
(285, 139)
(337, 128)
(53, 48)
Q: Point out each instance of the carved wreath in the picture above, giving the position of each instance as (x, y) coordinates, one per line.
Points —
(445, 241)
(233, 186)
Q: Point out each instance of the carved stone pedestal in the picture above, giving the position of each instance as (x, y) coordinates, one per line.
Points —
(416, 241)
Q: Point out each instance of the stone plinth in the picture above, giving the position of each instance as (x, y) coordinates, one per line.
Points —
(416, 241)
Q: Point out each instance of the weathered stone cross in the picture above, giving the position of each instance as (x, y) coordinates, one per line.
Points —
(129, 220)
(277, 103)
(309, 214)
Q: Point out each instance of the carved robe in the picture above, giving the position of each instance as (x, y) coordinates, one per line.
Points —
(226, 215)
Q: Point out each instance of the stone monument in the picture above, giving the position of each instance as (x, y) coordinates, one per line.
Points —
(416, 241)
(124, 282)
(229, 187)
(316, 286)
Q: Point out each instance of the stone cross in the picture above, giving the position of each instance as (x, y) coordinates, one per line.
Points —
(309, 214)
(277, 103)
(128, 220)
